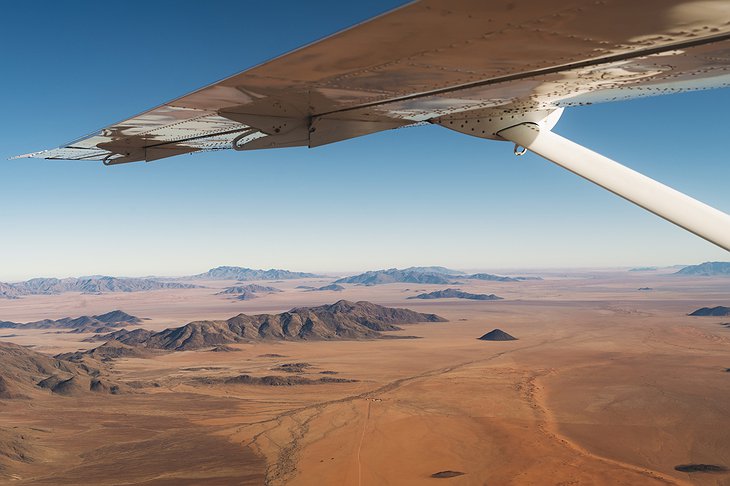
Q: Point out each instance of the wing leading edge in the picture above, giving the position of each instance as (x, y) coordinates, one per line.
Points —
(431, 60)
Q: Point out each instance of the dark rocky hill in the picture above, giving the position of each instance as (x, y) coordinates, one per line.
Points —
(331, 287)
(100, 323)
(341, 320)
(497, 335)
(719, 311)
(248, 292)
(106, 352)
(394, 275)
(253, 288)
(707, 269)
(455, 294)
(423, 275)
(245, 274)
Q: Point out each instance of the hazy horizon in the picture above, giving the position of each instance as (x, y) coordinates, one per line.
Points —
(348, 272)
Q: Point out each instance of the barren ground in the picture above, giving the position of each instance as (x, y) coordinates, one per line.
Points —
(606, 385)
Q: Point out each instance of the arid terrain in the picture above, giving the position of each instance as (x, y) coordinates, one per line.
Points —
(605, 384)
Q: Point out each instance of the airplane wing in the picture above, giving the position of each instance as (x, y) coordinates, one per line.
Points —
(498, 69)
(429, 61)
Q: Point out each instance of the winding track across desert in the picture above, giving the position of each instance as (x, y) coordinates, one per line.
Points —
(605, 385)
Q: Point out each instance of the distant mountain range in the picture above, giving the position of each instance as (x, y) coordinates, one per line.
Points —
(499, 278)
(423, 275)
(246, 274)
(435, 269)
(100, 323)
(394, 275)
(341, 320)
(93, 284)
(455, 294)
(707, 269)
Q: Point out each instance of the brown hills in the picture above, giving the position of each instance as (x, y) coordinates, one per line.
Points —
(244, 274)
(91, 285)
(99, 323)
(24, 372)
(333, 287)
(247, 292)
(341, 320)
(106, 352)
(455, 294)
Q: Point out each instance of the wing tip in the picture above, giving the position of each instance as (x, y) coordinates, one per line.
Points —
(32, 155)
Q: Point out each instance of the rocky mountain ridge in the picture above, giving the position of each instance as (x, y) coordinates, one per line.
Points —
(92, 285)
(342, 320)
(98, 323)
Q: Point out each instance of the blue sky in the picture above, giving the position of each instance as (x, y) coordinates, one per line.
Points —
(417, 196)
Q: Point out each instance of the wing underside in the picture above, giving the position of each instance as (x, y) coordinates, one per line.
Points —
(434, 59)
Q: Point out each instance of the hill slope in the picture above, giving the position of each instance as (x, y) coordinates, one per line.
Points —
(94, 284)
(331, 287)
(252, 288)
(108, 351)
(455, 294)
(248, 292)
(423, 275)
(99, 323)
(497, 335)
(341, 320)
(707, 269)
(394, 275)
(244, 274)
(719, 311)
(25, 372)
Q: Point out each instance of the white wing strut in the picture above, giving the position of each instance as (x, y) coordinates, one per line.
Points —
(680, 209)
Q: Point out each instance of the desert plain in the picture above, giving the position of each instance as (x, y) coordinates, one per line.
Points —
(606, 384)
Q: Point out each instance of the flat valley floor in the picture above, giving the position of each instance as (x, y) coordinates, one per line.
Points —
(606, 384)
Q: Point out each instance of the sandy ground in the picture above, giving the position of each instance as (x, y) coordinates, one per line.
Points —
(606, 385)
